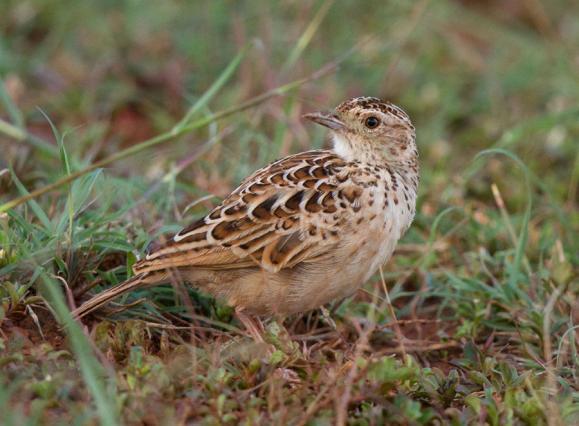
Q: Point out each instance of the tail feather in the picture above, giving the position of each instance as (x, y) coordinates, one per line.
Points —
(138, 281)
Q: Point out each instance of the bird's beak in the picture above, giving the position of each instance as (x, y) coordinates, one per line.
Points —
(327, 119)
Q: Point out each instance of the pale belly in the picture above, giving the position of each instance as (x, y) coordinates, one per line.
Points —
(350, 268)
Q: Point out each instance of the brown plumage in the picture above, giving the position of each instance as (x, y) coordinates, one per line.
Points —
(306, 229)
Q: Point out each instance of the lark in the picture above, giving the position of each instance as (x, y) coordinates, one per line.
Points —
(303, 231)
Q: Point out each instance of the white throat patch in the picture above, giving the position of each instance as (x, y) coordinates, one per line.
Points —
(342, 146)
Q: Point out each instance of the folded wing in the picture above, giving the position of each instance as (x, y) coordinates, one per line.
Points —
(283, 214)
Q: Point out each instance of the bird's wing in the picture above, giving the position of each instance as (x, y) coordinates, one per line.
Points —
(283, 214)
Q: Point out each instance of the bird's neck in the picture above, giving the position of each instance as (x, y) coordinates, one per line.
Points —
(404, 163)
(408, 170)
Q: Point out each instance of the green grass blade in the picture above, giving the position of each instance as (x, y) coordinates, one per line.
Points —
(524, 232)
(60, 142)
(10, 107)
(40, 214)
(308, 34)
(16, 130)
(427, 258)
(90, 368)
(20, 135)
(212, 91)
(12, 131)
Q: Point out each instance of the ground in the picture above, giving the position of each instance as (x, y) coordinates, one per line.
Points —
(143, 115)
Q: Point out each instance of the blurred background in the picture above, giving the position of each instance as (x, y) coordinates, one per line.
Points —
(110, 74)
(495, 233)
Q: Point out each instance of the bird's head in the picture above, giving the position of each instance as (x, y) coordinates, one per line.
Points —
(370, 130)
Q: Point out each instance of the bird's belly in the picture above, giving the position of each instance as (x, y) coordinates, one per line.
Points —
(305, 287)
(344, 273)
(359, 257)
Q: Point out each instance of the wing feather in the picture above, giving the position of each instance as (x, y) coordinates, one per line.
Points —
(280, 216)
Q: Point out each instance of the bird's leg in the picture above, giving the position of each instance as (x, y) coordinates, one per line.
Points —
(253, 325)
(255, 328)
(327, 316)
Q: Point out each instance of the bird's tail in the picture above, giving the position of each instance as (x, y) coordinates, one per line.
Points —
(138, 281)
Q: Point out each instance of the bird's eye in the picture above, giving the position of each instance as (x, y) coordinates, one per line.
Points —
(372, 122)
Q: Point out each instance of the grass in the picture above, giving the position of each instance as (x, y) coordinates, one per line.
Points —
(121, 122)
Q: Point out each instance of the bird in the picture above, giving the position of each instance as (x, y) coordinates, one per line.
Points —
(303, 231)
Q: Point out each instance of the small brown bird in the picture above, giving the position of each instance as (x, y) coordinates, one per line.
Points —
(304, 230)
